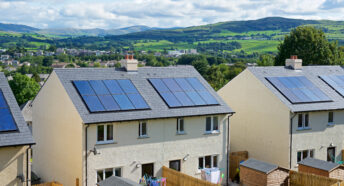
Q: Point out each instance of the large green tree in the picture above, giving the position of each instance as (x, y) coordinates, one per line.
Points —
(24, 88)
(311, 45)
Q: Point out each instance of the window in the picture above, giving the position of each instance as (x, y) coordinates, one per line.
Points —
(143, 129)
(105, 133)
(304, 154)
(331, 154)
(175, 164)
(303, 121)
(330, 118)
(105, 173)
(212, 124)
(207, 162)
(180, 126)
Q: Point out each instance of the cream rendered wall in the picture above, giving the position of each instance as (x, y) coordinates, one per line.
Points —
(320, 136)
(57, 129)
(162, 146)
(12, 164)
(261, 122)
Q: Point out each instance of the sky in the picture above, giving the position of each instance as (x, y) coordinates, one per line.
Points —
(112, 14)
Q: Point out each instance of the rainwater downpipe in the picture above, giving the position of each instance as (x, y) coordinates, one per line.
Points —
(228, 149)
(291, 138)
(86, 154)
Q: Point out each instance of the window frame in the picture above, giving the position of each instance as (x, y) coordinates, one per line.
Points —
(304, 121)
(178, 126)
(140, 129)
(211, 161)
(106, 140)
(212, 128)
(113, 172)
(301, 154)
(330, 123)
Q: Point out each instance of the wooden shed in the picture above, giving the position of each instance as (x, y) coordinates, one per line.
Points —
(254, 172)
(322, 168)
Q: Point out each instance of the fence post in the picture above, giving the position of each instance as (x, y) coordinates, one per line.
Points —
(77, 182)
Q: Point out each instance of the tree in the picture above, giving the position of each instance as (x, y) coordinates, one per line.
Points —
(310, 45)
(266, 60)
(201, 66)
(48, 61)
(24, 88)
(35, 76)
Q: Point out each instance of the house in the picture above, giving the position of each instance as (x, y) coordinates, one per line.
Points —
(254, 172)
(286, 114)
(322, 168)
(15, 140)
(5, 57)
(26, 111)
(136, 126)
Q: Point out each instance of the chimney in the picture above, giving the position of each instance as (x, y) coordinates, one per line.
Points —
(130, 64)
(293, 63)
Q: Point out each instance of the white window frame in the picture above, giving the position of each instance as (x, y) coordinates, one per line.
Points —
(140, 129)
(328, 117)
(212, 130)
(211, 161)
(113, 172)
(105, 141)
(308, 154)
(303, 127)
(178, 126)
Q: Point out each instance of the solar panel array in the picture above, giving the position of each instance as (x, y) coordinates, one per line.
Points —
(298, 89)
(183, 92)
(110, 95)
(7, 122)
(336, 82)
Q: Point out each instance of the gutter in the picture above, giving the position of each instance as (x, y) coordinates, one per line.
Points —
(86, 154)
(228, 149)
(291, 138)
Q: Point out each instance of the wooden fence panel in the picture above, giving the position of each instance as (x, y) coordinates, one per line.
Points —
(49, 184)
(234, 160)
(306, 179)
(175, 178)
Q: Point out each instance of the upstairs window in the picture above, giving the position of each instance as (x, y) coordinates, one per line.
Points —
(212, 124)
(143, 129)
(105, 133)
(180, 126)
(303, 121)
(330, 118)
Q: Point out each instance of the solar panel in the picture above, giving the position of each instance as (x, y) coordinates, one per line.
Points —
(183, 92)
(7, 122)
(298, 89)
(336, 82)
(110, 95)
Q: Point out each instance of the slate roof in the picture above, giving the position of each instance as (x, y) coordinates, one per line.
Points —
(312, 73)
(259, 165)
(319, 164)
(140, 79)
(117, 181)
(23, 135)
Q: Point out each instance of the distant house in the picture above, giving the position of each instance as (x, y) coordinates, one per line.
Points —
(48, 53)
(15, 63)
(5, 57)
(43, 77)
(39, 53)
(15, 140)
(25, 64)
(26, 111)
(60, 51)
(128, 122)
(288, 113)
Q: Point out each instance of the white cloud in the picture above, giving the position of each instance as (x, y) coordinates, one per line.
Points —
(158, 13)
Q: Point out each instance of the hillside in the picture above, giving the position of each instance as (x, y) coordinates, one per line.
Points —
(17, 28)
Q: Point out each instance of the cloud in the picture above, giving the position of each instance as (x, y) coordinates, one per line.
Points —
(110, 14)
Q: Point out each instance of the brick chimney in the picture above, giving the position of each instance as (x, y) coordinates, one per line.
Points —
(293, 63)
(130, 64)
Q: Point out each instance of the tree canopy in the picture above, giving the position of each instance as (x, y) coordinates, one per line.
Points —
(311, 45)
(24, 88)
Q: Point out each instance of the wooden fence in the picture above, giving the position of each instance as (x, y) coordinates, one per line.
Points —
(175, 178)
(305, 179)
(234, 160)
(49, 184)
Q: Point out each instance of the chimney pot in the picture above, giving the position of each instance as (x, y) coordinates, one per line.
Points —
(127, 56)
(293, 57)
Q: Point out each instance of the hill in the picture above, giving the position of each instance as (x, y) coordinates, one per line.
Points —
(17, 28)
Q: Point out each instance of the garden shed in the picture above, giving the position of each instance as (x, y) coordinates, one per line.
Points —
(322, 168)
(254, 172)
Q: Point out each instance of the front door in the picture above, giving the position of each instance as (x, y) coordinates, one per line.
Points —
(331, 154)
(148, 169)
